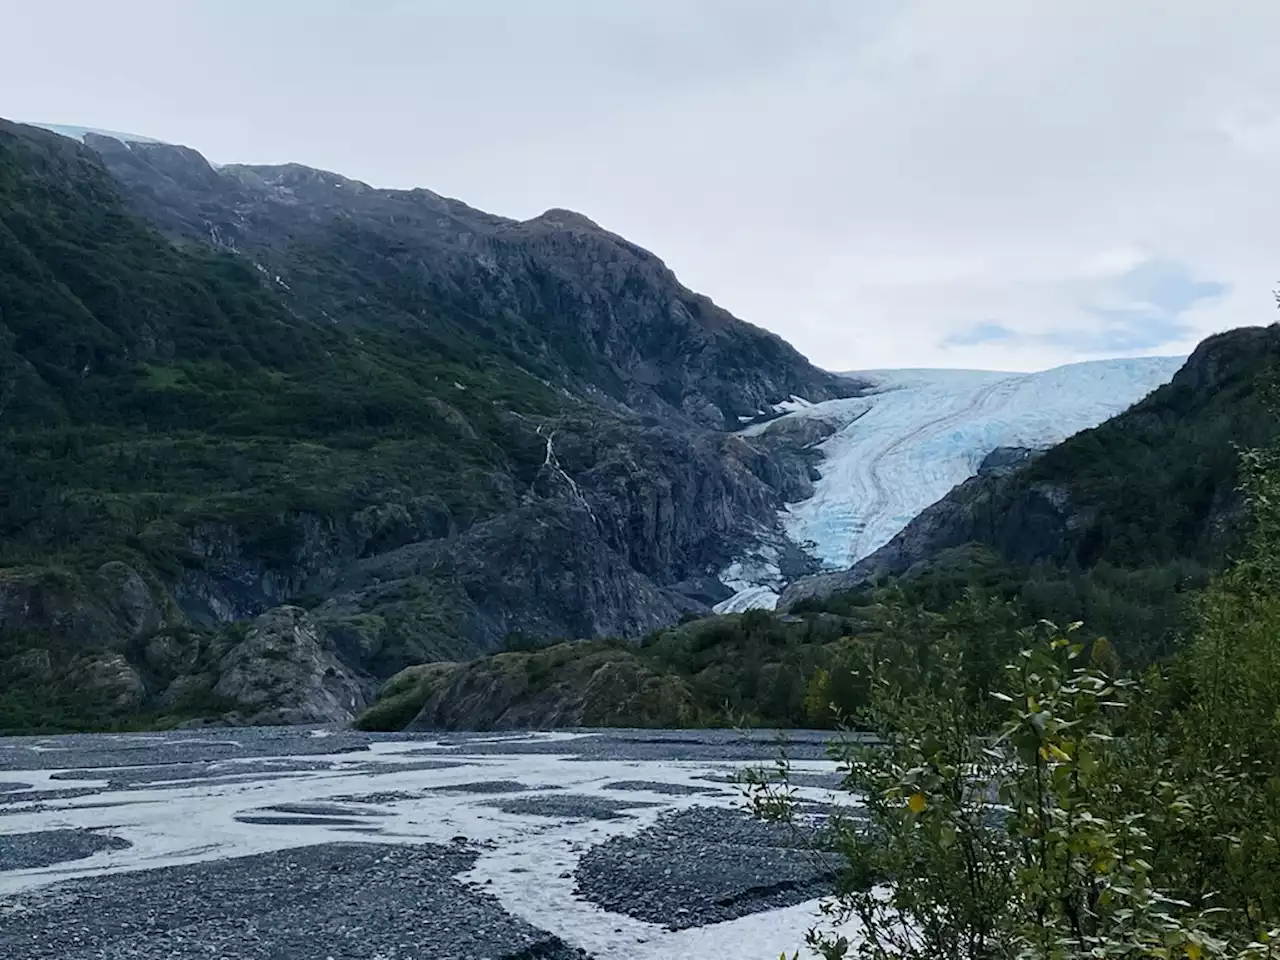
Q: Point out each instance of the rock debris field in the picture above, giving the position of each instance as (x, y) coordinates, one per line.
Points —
(272, 843)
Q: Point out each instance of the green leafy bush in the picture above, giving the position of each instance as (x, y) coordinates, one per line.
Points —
(1079, 814)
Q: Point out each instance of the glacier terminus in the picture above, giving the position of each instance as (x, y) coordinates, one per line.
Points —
(915, 434)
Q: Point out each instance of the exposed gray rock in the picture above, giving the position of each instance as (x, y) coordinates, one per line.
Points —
(131, 599)
(108, 678)
(286, 673)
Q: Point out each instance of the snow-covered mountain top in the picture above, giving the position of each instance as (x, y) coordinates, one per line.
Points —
(918, 433)
(79, 133)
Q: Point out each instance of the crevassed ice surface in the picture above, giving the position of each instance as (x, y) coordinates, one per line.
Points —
(921, 432)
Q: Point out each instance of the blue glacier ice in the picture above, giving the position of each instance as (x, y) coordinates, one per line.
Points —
(918, 433)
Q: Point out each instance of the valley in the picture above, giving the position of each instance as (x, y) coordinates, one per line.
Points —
(912, 436)
(334, 452)
(636, 481)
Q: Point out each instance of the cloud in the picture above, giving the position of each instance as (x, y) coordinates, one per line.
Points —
(864, 178)
(979, 333)
(1143, 308)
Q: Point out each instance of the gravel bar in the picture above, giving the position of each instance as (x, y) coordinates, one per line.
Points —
(336, 901)
(36, 796)
(44, 848)
(569, 806)
(307, 809)
(704, 865)
(667, 789)
(286, 820)
(147, 777)
(83, 750)
(485, 786)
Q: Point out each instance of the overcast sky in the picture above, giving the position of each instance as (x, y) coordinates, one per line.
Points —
(992, 184)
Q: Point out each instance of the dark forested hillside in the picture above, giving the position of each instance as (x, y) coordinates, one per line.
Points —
(316, 394)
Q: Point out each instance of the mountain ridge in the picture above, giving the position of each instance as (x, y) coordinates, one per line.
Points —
(1118, 527)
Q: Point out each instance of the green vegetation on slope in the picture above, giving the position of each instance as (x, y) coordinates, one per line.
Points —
(1155, 509)
(146, 389)
(751, 669)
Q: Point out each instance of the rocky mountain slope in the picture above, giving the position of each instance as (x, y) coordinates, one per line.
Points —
(274, 414)
(1117, 526)
(557, 294)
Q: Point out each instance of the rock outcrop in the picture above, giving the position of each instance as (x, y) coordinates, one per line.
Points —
(285, 671)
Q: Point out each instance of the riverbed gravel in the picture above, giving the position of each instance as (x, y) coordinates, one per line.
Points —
(486, 786)
(127, 750)
(569, 807)
(389, 847)
(666, 789)
(704, 865)
(43, 848)
(345, 901)
(123, 778)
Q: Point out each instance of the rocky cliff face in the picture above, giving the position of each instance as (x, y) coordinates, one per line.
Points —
(564, 297)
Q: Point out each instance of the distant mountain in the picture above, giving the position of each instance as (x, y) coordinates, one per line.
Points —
(558, 294)
(231, 394)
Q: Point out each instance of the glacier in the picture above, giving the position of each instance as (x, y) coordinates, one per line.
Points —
(917, 433)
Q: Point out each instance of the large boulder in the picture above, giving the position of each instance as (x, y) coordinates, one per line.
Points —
(127, 595)
(286, 671)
